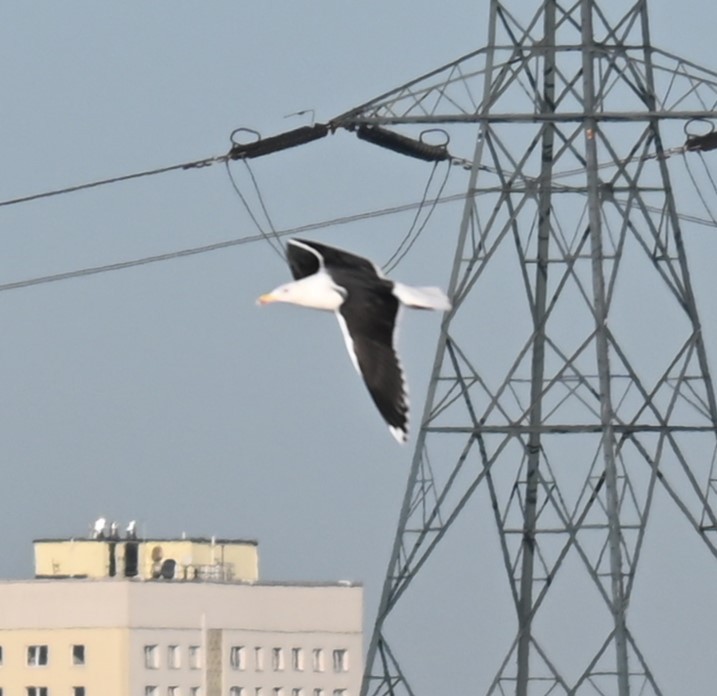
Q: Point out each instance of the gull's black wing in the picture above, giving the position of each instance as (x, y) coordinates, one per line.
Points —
(368, 320)
(305, 258)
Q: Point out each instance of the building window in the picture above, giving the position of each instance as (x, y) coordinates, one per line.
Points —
(341, 661)
(151, 656)
(277, 691)
(0, 658)
(297, 692)
(317, 659)
(36, 657)
(172, 691)
(297, 659)
(258, 691)
(236, 691)
(259, 659)
(277, 659)
(237, 657)
(195, 691)
(318, 692)
(340, 692)
(174, 657)
(78, 691)
(151, 691)
(78, 654)
(195, 657)
(36, 691)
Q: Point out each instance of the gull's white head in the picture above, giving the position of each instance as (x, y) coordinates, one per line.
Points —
(284, 293)
(316, 291)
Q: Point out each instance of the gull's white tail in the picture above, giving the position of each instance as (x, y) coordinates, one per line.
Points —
(422, 298)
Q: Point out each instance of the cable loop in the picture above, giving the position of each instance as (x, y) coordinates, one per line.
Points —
(686, 127)
(234, 141)
(442, 131)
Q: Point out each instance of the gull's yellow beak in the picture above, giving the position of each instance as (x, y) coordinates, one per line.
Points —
(266, 299)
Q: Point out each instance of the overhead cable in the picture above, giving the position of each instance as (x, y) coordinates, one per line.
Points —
(697, 188)
(300, 229)
(274, 241)
(260, 197)
(197, 164)
(257, 148)
(413, 231)
(93, 270)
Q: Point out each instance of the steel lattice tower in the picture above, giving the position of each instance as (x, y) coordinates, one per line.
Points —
(549, 393)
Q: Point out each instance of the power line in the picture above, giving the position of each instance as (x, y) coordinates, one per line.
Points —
(93, 270)
(266, 146)
(274, 238)
(299, 229)
(121, 265)
(197, 164)
(259, 148)
(414, 232)
(272, 241)
(387, 266)
(701, 196)
(263, 206)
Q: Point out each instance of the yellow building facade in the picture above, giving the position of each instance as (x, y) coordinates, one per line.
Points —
(182, 559)
(75, 662)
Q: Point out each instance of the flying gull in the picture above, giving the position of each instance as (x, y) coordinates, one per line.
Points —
(366, 303)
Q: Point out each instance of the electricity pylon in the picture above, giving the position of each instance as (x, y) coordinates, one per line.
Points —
(571, 382)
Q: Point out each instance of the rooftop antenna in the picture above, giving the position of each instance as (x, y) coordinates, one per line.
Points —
(99, 527)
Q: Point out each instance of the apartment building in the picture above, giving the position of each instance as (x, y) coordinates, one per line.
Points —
(86, 628)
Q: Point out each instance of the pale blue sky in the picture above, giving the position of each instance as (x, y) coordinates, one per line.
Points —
(162, 393)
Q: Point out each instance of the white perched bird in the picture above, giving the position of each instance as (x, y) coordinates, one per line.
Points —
(367, 304)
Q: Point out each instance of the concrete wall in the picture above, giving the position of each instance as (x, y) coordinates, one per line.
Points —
(287, 675)
(58, 604)
(181, 673)
(118, 619)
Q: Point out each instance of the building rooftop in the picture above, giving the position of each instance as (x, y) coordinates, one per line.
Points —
(195, 540)
(78, 579)
(105, 554)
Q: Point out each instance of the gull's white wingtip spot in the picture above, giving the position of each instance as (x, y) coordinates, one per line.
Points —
(401, 436)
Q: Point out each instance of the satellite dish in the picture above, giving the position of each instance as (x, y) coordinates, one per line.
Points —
(132, 530)
(114, 530)
(168, 569)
